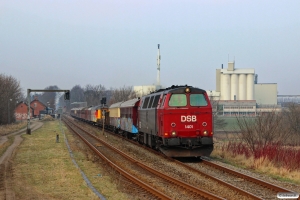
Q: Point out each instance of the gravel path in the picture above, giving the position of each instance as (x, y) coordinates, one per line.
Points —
(6, 165)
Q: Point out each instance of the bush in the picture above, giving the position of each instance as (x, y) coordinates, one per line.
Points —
(269, 136)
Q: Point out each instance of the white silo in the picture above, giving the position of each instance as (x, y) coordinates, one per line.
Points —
(234, 90)
(235, 84)
(222, 86)
(225, 86)
(242, 86)
(250, 86)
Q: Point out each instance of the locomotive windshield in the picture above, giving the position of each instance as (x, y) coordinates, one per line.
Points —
(198, 100)
(180, 100)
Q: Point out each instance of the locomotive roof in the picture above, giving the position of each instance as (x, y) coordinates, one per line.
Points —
(116, 105)
(176, 87)
(129, 103)
(94, 107)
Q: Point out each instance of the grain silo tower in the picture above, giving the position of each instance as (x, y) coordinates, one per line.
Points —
(235, 84)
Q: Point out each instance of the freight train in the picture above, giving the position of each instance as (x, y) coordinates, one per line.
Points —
(177, 121)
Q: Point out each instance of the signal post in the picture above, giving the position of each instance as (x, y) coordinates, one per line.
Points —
(67, 97)
(103, 102)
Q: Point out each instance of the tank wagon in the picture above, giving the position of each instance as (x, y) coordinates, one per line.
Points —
(177, 121)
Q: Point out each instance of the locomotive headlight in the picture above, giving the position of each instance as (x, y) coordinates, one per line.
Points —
(173, 133)
(205, 133)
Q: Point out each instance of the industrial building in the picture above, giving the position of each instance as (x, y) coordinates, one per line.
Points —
(239, 93)
(235, 84)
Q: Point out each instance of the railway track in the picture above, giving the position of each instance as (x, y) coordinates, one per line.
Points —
(245, 177)
(243, 185)
(247, 185)
(154, 183)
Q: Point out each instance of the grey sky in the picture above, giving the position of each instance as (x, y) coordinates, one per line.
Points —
(106, 42)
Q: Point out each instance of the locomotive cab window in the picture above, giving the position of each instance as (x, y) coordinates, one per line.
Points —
(198, 100)
(155, 103)
(163, 101)
(151, 101)
(146, 102)
(178, 100)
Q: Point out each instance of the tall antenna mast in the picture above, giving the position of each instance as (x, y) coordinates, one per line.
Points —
(158, 66)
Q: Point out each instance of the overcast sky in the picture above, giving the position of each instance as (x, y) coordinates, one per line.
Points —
(70, 42)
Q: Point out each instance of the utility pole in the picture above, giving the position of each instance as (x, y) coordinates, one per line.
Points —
(8, 111)
(158, 66)
(103, 118)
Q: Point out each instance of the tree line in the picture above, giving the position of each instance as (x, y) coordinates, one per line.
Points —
(92, 95)
(10, 95)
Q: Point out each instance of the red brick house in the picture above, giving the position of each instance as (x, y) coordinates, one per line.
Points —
(21, 111)
(37, 107)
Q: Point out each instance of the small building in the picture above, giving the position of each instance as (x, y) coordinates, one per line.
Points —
(266, 94)
(21, 111)
(235, 108)
(37, 107)
(145, 89)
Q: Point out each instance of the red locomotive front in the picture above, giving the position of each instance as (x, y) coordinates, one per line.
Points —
(185, 123)
(178, 121)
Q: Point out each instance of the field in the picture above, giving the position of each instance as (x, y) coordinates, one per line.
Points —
(274, 159)
(43, 168)
(231, 124)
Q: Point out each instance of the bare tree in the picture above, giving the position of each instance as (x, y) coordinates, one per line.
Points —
(10, 94)
(94, 94)
(291, 116)
(49, 98)
(122, 94)
(219, 122)
(263, 130)
(77, 94)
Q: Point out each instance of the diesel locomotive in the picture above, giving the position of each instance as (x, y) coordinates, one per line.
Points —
(177, 121)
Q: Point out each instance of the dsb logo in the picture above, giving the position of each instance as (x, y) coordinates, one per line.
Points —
(188, 118)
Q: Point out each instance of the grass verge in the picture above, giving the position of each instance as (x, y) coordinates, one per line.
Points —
(43, 169)
(6, 129)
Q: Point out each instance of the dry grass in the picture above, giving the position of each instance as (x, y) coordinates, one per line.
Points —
(6, 129)
(43, 169)
(5, 145)
(259, 165)
(48, 118)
